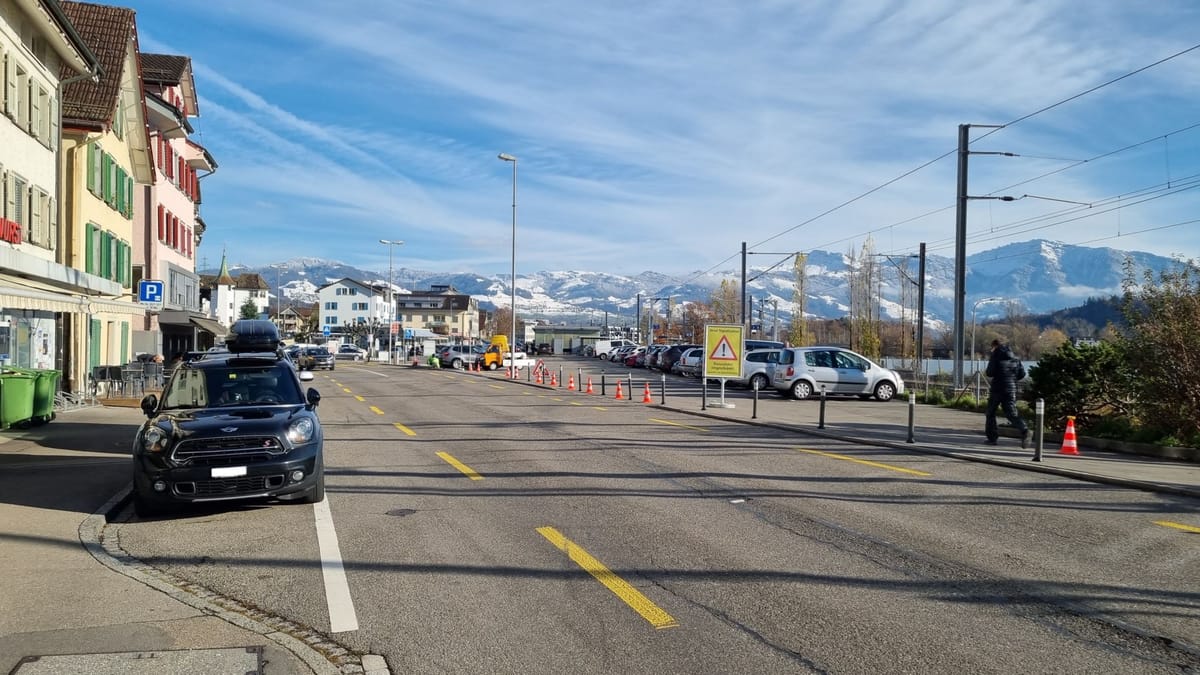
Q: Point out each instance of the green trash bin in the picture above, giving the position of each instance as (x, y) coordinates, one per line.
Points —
(16, 398)
(44, 388)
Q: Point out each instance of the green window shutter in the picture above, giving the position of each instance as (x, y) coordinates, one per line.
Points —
(103, 194)
(119, 191)
(127, 266)
(94, 343)
(124, 341)
(91, 168)
(129, 187)
(89, 257)
(105, 258)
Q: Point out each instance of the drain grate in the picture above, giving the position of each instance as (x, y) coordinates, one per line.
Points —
(239, 660)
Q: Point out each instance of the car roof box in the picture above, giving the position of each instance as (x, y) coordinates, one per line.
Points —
(252, 335)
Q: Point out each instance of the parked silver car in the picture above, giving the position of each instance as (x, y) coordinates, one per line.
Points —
(803, 371)
(690, 363)
(755, 365)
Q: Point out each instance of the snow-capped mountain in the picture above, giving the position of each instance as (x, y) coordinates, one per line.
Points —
(1039, 275)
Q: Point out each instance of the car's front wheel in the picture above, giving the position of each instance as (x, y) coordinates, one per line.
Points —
(316, 493)
(885, 391)
(143, 507)
(758, 382)
(456, 364)
(801, 389)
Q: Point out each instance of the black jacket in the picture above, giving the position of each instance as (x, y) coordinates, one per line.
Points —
(1004, 369)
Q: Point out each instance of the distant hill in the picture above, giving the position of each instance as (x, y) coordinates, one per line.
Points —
(1043, 276)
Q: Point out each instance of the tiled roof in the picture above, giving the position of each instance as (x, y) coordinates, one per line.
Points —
(252, 280)
(164, 68)
(106, 31)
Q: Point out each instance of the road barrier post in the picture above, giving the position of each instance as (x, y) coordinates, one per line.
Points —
(754, 410)
(663, 390)
(703, 393)
(912, 413)
(631, 384)
(560, 377)
(1038, 433)
(603, 388)
(821, 423)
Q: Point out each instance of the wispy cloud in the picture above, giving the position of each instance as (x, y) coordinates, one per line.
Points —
(660, 135)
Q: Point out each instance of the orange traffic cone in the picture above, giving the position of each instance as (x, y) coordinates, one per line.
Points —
(619, 396)
(589, 388)
(570, 383)
(1069, 447)
(539, 377)
(553, 379)
(646, 396)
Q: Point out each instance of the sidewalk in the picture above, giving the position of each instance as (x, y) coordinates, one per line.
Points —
(70, 603)
(954, 433)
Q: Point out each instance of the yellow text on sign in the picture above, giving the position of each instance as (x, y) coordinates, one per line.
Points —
(723, 350)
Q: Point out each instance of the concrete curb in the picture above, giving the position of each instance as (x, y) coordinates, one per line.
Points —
(316, 650)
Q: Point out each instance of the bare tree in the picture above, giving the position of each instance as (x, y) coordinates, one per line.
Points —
(797, 335)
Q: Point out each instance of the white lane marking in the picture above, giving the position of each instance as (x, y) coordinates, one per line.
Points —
(337, 591)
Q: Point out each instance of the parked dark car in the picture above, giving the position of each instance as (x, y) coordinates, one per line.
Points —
(670, 355)
(230, 427)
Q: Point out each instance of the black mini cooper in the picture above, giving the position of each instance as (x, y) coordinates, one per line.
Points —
(230, 427)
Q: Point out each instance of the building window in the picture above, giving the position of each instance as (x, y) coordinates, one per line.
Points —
(331, 305)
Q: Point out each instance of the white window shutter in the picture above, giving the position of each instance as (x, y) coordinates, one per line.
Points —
(10, 85)
(10, 196)
(53, 224)
(55, 131)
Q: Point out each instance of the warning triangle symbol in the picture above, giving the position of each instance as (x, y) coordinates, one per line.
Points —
(723, 351)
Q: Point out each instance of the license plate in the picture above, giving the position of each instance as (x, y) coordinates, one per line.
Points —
(228, 471)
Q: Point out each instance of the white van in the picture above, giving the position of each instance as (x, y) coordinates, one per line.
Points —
(605, 347)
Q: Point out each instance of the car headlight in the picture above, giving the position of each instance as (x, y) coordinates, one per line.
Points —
(301, 430)
(155, 440)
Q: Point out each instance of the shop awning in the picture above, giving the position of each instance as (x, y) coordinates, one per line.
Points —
(40, 301)
(210, 326)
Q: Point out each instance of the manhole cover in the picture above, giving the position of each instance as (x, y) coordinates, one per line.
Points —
(401, 512)
(230, 660)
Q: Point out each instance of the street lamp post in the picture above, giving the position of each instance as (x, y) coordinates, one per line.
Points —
(974, 359)
(391, 318)
(278, 296)
(512, 345)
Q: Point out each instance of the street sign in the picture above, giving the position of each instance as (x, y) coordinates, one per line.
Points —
(395, 329)
(723, 345)
(408, 333)
(150, 294)
(325, 331)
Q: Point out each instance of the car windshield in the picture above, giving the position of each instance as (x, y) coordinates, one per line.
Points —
(228, 386)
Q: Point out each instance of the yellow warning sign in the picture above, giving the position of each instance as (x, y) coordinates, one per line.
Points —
(723, 350)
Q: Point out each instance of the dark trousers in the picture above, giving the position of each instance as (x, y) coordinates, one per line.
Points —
(1009, 403)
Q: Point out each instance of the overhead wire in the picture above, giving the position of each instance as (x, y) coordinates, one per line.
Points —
(954, 151)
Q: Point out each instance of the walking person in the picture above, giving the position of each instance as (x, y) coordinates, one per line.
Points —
(1005, 370)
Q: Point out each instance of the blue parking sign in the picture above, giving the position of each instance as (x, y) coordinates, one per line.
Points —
(326, 331)
(151, 292)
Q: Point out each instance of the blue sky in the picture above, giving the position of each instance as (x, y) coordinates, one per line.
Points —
(660, 135)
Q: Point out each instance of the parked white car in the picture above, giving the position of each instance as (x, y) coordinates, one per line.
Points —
(803, 371)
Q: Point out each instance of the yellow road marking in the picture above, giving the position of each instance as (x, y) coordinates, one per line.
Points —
(375, 410)
(677, 424)
(359, 398)
(866, 462)
(346, 389)
(1178, 526)
(403, 428)
(576, 403)
(495, 386)
(460, 466)
(621, 588)
(555, 398)
(599, 407)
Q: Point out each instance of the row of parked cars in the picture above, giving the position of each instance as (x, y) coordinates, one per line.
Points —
(798, 372)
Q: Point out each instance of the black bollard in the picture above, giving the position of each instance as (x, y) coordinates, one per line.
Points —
(603, 389)
(704, 394)
(754, 410)
(912, 413)
(1038, 432)
(662, 392)
(560, 377)
(821, 423)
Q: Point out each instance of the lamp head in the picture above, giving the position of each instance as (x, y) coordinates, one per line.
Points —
(507, 157)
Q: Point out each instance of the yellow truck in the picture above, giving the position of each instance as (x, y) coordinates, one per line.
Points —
(497, 356)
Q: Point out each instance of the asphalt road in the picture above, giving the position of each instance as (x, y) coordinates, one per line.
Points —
(488, 526)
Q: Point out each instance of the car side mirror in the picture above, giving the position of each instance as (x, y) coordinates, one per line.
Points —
(149, 403)
(314, 397)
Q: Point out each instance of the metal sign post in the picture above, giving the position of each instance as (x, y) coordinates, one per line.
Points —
(724, 345)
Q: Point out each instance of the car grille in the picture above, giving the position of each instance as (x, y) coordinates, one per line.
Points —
(228, 487)
(225, 451)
